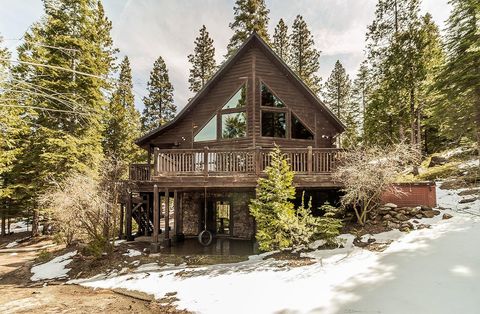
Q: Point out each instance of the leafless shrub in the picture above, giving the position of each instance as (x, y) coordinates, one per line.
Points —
(84, 207)
(367, 172)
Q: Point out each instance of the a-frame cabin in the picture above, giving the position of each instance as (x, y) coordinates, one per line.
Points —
(213, 152)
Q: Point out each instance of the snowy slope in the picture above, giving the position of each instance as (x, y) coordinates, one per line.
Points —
(433, 270)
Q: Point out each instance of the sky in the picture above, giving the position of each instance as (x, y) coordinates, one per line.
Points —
(146, 29)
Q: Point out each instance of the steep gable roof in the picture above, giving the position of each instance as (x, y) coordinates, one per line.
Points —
(254, 37)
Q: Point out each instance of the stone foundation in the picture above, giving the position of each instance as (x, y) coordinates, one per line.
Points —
(191, 212)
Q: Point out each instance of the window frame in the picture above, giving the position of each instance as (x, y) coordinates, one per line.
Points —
(288, 116)
(220, 111)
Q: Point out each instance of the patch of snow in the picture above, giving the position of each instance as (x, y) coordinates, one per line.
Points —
(118, 242)
(453, 152)
(132, 253)
(469, 164)
(438, 262)
(54, 268)
(12, 244)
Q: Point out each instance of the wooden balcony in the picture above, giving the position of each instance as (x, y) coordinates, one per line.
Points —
(233, 167)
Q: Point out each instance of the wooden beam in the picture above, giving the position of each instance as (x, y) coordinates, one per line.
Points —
(128, 220)
(175, 212)
(147, 214)
(121, 221)
(156, 213)
(167, 215)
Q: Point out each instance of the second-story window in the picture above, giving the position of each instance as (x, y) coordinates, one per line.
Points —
(274, 114)
(234, 116)
(230, 121)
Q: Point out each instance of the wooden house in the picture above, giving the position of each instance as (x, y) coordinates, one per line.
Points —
(211, 155)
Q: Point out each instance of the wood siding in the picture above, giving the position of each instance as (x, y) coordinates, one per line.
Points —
(253, 67)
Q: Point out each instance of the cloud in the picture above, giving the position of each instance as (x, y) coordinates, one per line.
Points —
(146, 29)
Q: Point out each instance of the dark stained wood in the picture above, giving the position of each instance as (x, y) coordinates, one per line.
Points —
(167, 217)
(128, 218)
(121, 219)
(156, 213)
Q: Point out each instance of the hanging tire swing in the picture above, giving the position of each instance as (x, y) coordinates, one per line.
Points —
(205, 237)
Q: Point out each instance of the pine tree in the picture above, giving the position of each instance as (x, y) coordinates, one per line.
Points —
(202, 60)
(67, 104)
(459, 79)
(280, 43)
(159, 107)
(304, 57)
(123, 122)
(249, 16)
(360, 92)
(337, 94)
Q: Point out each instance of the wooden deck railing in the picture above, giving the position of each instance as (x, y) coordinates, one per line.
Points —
(210, 162)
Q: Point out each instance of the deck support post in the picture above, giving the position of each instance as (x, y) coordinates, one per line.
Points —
(149, 162)
(121, 222)
(309, 159)
(175, 213)
(156, 214)
(128, 220)
(166, 241)
(147, 214)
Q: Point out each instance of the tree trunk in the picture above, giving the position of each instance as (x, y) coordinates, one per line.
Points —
(35, 219)
(478, 120)
(412, 117)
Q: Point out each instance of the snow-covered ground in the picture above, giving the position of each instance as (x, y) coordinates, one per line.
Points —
(433, 270)
(53, 269)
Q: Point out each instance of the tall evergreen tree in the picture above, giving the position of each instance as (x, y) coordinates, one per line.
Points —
(337, 95)
(123, 121)
(280, 43)
(202, 60)
(360, 92)
(304, 57)
(66, 60)
(459, 79)
(159, 106)
(249, 16)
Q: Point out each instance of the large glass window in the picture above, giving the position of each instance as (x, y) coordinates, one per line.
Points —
(239, 100)
(269, 99)
(299, 131)
(234, 125)
(208, 132)
(274, 124)
(232, 117)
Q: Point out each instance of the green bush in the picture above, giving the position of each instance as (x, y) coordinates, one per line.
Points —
(279, 224)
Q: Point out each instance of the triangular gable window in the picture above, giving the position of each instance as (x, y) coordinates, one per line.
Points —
(208, 132)
(238, 100)
(269, 99)
(300, 131)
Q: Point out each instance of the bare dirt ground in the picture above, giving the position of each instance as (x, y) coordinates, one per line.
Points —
(20, 295)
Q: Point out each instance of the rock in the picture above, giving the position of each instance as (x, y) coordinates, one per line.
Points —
(383, 210)
(387, 217)
(401, 217)
(424, 208)
(416, 221)
(414, 211)
(467, 200)
(436, 212)
(437, 161)
(423, 226)
(390, 205)
(428, 214)
(419, 216)
(392, 225)
(446, 216)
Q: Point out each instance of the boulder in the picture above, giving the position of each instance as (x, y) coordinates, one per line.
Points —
(428, 213)
(423, 226)
(436, 212)
(401, 217)
(437, 161)
(424, 208)
(419, 216)
(446, 216)
(390, 205)
(415, 210)
(392, 225)
(383, 210)
(387, 217)
(467, 200)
